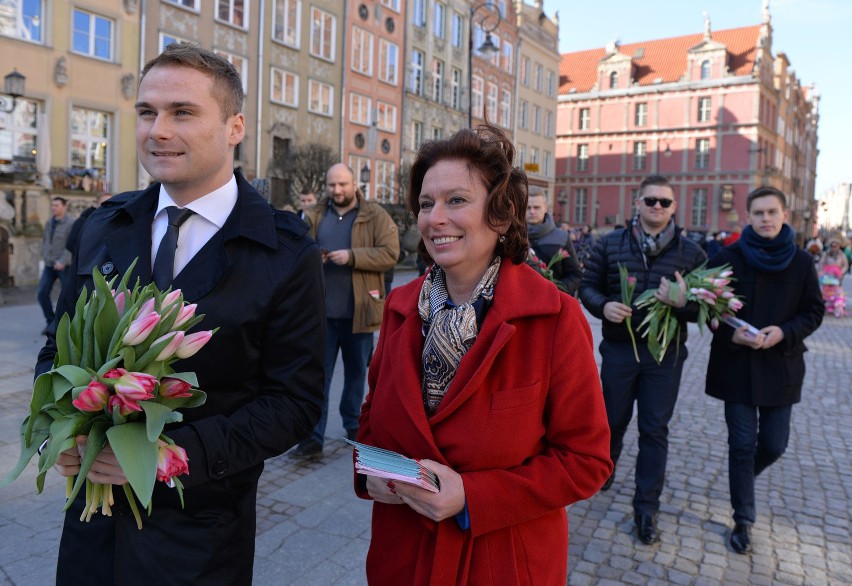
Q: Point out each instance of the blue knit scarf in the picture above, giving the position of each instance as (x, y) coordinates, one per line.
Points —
(770, 255)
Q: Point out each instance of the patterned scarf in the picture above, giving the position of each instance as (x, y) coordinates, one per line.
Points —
(450, 330)
(653, 245)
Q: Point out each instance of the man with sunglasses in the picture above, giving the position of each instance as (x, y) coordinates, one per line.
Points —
(655, 252)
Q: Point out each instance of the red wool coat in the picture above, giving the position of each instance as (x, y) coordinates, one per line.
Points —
(523, 423)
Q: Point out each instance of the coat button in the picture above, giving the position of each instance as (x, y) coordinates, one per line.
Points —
(220, 467)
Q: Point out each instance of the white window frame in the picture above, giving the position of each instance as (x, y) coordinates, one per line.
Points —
(416, 134)
(523, 114)
(283, 76)
(418, 13)
(581, 205)
(522, 155)
(385, 179)
(640, 155)
(388, 62)
(191, 5)
(505, 108)
(437, 132)
(551, 83)
(232, 12)
(437, 71)
(360, 109)
(174, 39)
(508, 58)
(24, 27)
(290, 32)
(582, 157)
(538, 77)
(536, 118)
(491, 99)
(640, 117)
(455, 88)
(439, 20)
(458, 28)
(321, 37)
(362, 51)
(326, 98)
(477, 91)
(392, 4)
(22, 122)
(702, 153)
(241, 66)
(89, 139)
(585, 120)
(698, 211)
(93, 20)
(547, 163)
(525, 71)
(386, 115)
(549, 127)
(416, 81)
(704, 109)
(356, 163)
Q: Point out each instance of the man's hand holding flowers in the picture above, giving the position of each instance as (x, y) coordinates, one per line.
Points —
(664, 291)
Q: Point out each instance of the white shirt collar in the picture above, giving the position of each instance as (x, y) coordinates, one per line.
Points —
(215, 207)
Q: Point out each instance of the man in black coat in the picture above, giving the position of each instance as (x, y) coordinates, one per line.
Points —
(760, 376)
(547, 240)
(252, 271)
(653, 250)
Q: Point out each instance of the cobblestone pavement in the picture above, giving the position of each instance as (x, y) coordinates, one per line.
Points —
(313, 531)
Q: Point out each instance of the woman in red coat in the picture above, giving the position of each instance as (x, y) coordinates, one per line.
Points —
(485, 373)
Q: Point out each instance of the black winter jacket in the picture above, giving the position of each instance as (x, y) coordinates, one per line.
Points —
(602, 281)
(546, 240)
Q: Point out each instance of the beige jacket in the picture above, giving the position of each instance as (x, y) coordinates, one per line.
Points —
(374, 249)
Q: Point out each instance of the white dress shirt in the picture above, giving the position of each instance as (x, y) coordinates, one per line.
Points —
(211, 211)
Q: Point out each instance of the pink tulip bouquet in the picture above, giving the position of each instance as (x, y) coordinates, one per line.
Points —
(546, 269)
(112, 381)
(710, 288)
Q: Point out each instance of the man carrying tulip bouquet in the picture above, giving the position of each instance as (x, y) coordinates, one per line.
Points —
(653, 250)
(547, 240)
(759, 374)
(251, 271)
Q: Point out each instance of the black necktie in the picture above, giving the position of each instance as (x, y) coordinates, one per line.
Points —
(164, 265)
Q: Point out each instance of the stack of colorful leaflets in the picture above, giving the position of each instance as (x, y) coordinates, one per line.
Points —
(374, 461)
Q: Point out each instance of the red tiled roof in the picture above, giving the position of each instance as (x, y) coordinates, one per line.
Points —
(663, 58)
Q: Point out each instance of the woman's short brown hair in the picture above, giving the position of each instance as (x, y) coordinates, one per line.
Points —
(489, 152)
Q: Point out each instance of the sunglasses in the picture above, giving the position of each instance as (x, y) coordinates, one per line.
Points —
(652, 201)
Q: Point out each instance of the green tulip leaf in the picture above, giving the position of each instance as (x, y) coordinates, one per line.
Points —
(42, 392)
(155, 418)
(137, 457)
(73, 374)
(108, 366)
(39, 431)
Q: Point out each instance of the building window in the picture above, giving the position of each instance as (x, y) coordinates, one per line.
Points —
(167, 39)
(585, 118)
(191, 4)
(418, 16)
(456, 84)
(437, 132)
(416, 135)
(387, 61)
(705, 70)
(522, 155)
(392, 4)
(492, 100)
(505, 108)
(362, 51)
(458, 29)
(703, 109)
(702, 153)
(22, 20)
(385, 171)
(524, 72)
(699, 207)
(437, 80)
(92, 35)
(439, 19)
(639, 155)
(323, 25)
(286, 25)
(551, 84)
(417, 72)
(320, 98)
(547, 162)
(19, 132)
(285, 88)
(538, 79)
(580, 205)
(240, 64)
(508, 61)
(523, 114)
(582, 157)
(357, 163)
(549, 128)
(90, 131)
(536, 119)
(476, 93)
(641, 114)
(359, 109)
(386, 116)
(613, 80)
(232, 11)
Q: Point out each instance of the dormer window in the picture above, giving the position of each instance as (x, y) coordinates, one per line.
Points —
(613, 80)
(705, 70)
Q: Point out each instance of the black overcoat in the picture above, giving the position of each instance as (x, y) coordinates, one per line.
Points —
(259, 280)
(789, 299)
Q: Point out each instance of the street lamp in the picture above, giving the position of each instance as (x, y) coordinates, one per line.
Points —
(487, 46)
(13, 85)
(365, 178)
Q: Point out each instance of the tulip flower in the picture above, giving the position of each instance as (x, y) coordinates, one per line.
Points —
(186, 313)
(174, 388)
(171, 462)
(114, 373)
(140, 328)
(726, 274)
(147, 307)
(171, 347)
(193, 343)
(125, 406)
(136, 386)
(563, 253)
(735, 304)
(93, 398)
(714, 324)
(119, 302)
(631, 280)
(727, 294)
(171, 298)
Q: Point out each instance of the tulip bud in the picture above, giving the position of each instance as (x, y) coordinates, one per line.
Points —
(171, 298)
(147, 307)
(193, 343)
(93, 398)
(140, 328)
(136, 386)
(171, 347)
(174, 388)
(125, 406)
(631, 280)
(714, 324)
(119, 302)
(114, 373)
(171, 461)
(735, 304)
(186, 313)
(726, 274)
(563, 253)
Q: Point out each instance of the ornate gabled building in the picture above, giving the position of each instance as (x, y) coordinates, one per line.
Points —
(717, 113)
